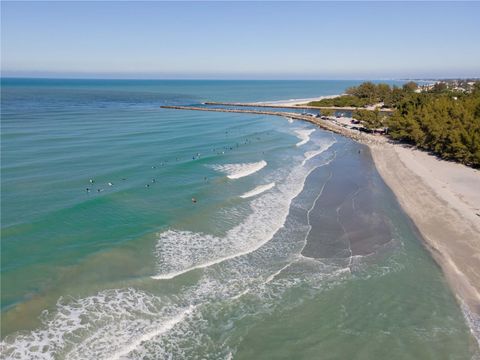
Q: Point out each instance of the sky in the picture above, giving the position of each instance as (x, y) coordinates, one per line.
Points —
(240, 40)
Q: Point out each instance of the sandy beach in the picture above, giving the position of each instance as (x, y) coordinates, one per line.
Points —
(443, 200)
(298, 102)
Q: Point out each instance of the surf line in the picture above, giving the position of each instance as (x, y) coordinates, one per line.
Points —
(253, 168)
(311, 154)
(237, 171)
(167, 326)
(304, 136)
(258, 190)
(299, 255)
(171, 275)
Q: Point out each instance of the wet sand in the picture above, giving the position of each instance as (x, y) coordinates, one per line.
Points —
(346, 220)
(443, 200)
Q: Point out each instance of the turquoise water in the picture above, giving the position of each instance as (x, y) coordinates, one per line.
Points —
(294, 247)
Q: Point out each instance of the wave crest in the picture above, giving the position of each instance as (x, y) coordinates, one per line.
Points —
(237, 171)
(179, 252)
(258, 190)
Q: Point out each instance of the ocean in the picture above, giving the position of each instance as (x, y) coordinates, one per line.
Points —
(135, 232)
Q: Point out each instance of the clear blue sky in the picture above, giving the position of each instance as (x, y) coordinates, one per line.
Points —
(241, 40)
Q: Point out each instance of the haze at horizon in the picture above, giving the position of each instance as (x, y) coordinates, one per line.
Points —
(216, 40)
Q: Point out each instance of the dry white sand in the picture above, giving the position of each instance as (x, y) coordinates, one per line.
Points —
(295, 102)
(443, 200)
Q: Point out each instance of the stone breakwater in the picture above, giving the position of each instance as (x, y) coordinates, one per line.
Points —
(338, 108)
(324, 124)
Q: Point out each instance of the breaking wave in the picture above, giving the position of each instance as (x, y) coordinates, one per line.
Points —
(237, 171)
(324, 146)
(304, 136)
(179, 251)
(108, 325)
(258, 190)
(131, 323)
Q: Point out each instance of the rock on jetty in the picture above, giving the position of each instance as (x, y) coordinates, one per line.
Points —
(324, 124)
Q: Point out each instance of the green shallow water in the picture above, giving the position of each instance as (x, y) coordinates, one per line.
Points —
(323, 264)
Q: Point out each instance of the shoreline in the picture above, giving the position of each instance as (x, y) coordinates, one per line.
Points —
(297, 102)
(286, 106)
(443, 206)
(440, 197)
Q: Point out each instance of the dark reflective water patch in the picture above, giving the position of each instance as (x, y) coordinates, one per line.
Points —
(348, 219)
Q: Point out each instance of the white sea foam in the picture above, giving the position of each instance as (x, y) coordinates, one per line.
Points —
(179, 252)
(258, 190)
(325, 145)
(472, 320)
(237, 171)
(272, 276)
(163, 328)
(135, 324)
(304, 136)
(108, 325)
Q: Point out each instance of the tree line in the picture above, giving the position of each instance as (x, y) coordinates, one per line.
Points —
(440, 120)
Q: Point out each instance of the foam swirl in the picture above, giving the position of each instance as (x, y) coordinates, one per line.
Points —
(304, 136)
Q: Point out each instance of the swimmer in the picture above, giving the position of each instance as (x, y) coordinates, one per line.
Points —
(194, 200)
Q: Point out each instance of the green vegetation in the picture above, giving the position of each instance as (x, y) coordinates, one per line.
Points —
(328, 112)
(371, 119)
(341, 101)
(443, 119)
(369, 93)
(446, 124)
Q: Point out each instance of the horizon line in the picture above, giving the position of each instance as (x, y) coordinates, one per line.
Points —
(243, 79)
